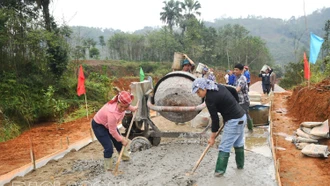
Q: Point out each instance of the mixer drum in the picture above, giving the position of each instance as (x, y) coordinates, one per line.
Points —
(174, 90)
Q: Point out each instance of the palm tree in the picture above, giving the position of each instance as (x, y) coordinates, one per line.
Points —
(191, 8)
(171, 13)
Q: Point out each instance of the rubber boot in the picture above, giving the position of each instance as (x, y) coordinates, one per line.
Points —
(222, 163)
(108, 164)
(239, 157)
(125, 156)
(250, 124)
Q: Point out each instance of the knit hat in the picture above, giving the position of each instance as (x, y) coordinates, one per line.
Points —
(123, 97)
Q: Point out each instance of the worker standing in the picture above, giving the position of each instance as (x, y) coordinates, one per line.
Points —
(242, 90)
(265, 79)
(247, 75)
(232, 78)
(272, 81)
(219, 99)
(188, 65)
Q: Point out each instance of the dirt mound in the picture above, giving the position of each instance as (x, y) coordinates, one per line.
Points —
(310, 104)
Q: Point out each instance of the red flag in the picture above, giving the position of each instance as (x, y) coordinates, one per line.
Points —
(81, 82)
(306, 67)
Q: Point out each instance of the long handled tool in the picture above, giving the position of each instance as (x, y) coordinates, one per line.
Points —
(127, 135)
(205, 151)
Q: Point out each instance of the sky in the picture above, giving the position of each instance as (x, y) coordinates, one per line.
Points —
(131, 15)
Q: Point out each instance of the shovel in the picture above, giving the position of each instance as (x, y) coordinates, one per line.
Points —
(127, 135)
(205, 151)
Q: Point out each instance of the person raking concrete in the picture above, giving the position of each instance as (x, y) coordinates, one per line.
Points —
(219, 99)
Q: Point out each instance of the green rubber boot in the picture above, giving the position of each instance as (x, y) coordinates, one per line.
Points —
(125, 156)
(239, 152)
(108, 164)
(250, 124)
(221, 165)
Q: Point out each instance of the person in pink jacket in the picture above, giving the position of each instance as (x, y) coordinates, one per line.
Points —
(105, 123)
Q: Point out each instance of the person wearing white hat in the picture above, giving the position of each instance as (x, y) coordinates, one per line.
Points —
(219, 98)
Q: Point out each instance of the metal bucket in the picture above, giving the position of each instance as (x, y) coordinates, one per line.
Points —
(173, 98)
(200, 67)
(259, 114)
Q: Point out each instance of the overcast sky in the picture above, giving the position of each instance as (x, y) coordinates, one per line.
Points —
(131, 15)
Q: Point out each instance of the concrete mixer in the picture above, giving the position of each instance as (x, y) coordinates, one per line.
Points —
(172, 98)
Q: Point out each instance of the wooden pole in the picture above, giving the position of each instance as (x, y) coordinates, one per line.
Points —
(67, 140)
(86, 105)
(91, 133)
(33, 160)
(309, 73)
(205, 151)
(309, 64)
(127, 135)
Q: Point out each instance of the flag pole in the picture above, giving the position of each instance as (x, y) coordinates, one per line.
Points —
(309, 73)
(86, 105)
(309, 64)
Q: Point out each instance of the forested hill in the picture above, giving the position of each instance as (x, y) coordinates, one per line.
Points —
(283, 37)
(286, 39)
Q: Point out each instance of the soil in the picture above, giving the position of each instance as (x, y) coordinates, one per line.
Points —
(289, 110)
(167, 163)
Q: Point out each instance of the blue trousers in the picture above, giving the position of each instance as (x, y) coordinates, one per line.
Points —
(233, 134)
(105, 138)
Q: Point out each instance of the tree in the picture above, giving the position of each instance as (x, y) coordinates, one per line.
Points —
(326, 43)
(44, 5)
(171, 13)
(190, 8)
(94, 53)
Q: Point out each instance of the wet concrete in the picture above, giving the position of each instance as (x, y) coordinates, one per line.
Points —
(166, 164)
(169, 163)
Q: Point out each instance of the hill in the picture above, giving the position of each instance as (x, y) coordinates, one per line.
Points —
(286, 39)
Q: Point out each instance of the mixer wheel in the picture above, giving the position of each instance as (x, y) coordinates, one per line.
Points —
(139, 143)
(154, 140)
